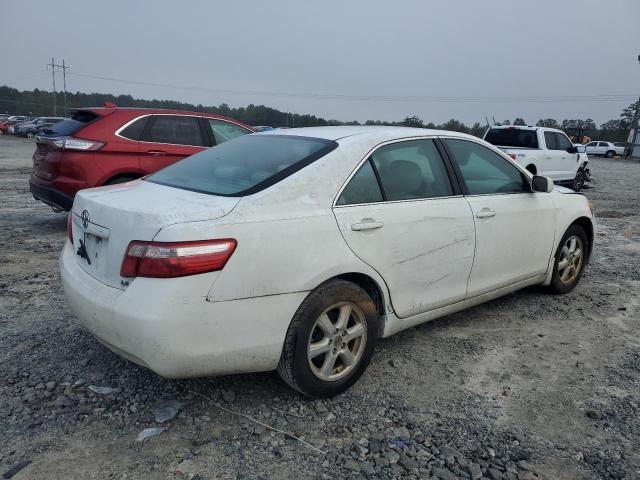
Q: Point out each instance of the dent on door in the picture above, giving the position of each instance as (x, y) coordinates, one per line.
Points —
(423, 249)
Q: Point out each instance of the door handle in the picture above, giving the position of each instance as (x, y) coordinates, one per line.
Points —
(157, 153)
(485, 213)
(366, 225)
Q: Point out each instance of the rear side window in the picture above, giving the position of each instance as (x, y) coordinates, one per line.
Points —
(512, 137)
(175, 129)
(362, 188)
(69, 126)
(485, 172)
(550, 140)
(411, 170)
(244, 165)
(223, 131)
(135, 129)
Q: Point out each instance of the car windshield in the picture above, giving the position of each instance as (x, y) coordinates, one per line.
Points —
(512, 137)
(244, 165)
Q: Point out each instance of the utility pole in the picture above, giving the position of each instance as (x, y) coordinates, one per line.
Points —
(53, 76)
(64, 69)
(64, 85)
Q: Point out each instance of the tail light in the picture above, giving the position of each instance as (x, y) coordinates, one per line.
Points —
(70, 227)
(512, 155)
(176, 259)
(72, 143)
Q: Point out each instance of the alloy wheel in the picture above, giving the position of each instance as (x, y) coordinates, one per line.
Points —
(571, 259)
(337, 341)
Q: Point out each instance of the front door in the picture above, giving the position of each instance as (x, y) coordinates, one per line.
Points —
(401, 214)
(515, 227)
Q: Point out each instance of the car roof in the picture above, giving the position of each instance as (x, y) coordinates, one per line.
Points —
(381, 133)
(103, 111)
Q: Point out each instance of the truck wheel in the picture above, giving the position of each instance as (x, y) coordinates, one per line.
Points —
(330, 340)
(578, 182)
(610, 154)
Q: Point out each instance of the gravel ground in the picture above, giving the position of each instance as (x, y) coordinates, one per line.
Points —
(528, 386)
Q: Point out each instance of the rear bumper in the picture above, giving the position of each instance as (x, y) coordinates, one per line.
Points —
(50, 196)
(174, 331)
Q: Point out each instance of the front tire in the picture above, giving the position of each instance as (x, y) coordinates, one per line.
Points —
(570, 260)
(29, 135)
(330, 340)
(610, 154)
(578, 181)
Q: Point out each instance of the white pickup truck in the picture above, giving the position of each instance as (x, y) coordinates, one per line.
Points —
(543, 151)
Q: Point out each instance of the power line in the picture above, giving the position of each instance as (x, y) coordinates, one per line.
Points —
(383, 98)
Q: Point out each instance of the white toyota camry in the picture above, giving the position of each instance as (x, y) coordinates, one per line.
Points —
(297, 249)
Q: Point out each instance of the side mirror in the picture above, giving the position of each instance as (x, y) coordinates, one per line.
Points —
(541, 184)
(572, 149)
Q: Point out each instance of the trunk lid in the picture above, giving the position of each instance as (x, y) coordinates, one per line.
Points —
(106, 219)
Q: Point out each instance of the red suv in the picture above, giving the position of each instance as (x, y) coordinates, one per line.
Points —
(103, 146)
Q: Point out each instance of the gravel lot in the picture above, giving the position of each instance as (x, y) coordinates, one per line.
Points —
(527, 386)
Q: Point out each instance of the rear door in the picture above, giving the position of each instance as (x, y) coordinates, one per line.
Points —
(514, 227)
(401, 214)
(552, 163)
(169, 138)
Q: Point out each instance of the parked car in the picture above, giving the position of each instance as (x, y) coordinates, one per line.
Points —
(621, 148)
(543, 151)
(30, 129)
(606, 149)
(296, 250)
(103, 146)
(8, 125)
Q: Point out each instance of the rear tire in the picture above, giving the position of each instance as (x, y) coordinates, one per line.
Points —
(330, 340)
(570, 259)
(29, 135)
(610, 154)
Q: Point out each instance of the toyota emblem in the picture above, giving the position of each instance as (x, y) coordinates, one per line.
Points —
(85, 219)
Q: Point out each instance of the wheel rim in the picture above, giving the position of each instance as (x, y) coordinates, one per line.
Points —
(29, 135)
(571, 258)
(337, 341)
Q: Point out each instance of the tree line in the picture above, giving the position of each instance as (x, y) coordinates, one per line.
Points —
(40, 103)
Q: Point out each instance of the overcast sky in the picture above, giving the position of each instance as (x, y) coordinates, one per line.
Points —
(317, 57)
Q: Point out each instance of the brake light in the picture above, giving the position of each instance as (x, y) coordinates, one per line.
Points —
(176, 259)
(70, 227)
(512, 155)
(72, 143)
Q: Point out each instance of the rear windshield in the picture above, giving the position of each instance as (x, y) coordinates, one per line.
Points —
(512, 137)
(69, 126)
(244, 165)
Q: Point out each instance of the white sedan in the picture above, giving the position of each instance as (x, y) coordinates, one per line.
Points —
(606, 149)
(297, 249)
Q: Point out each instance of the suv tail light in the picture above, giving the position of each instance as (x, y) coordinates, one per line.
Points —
(73, 143)
(176, 259)
(512, 155)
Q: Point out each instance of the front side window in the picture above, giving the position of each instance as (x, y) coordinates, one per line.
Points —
(223, 131)
(550, 140)
(411, 170)
(362, 188)
(592, 144)
(563, 142)
(175, 129)
(484, 171)
(602, 144)
(244, 165)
